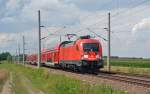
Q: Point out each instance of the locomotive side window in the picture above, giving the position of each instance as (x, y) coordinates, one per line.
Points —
(90, 47)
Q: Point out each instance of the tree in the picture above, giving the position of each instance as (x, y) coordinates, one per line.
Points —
(4, 56)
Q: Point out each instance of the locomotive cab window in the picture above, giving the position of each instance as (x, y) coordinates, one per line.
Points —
(90, 47)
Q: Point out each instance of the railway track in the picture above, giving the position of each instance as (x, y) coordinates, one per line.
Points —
(128, 79)
(136, 80)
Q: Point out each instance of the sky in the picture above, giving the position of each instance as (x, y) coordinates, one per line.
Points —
(130, 24)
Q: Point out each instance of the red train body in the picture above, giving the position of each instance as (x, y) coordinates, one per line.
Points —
(32, 58)
(83, 54)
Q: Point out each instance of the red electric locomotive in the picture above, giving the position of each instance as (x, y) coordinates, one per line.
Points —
(84, 54)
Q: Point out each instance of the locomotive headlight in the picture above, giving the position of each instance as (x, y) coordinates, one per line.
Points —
(85, 56)
(97, 56)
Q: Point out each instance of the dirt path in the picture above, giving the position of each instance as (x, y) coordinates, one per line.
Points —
(28, 85)
(7, 88)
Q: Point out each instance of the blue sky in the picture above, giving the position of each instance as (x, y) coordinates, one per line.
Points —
(130, 22)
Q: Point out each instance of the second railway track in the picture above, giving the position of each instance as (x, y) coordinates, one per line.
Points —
(128, 79)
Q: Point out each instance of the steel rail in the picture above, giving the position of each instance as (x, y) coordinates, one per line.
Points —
(137, 81)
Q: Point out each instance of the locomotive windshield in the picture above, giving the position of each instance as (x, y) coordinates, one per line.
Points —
(90, 47)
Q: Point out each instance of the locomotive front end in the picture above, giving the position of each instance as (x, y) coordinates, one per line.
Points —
(92, 54)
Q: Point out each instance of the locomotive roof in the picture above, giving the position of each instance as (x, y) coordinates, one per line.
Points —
(85, 37)
(66, 43)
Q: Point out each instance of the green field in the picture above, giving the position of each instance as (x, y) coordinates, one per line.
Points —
(27, 80)
(137, 63)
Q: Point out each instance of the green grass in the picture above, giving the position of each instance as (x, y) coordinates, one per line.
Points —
(130, 70)
(54, 84)
(137, 63)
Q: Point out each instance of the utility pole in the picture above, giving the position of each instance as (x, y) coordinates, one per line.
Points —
(109, 47)
(23, 50)
(60, 38)
(39, 39)
(15, 60)
(18, 53)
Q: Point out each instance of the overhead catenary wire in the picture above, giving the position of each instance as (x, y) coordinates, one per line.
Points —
(103, 18)
(125, 11)
(83, 27)
(97, 34)
(118, 13)
(122, 12)
(54, 33)
(117, 25)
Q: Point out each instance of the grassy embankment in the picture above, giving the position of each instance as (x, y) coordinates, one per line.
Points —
(132, 66)
(27, 80)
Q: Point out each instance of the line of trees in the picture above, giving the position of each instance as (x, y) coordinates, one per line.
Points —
(5, 56)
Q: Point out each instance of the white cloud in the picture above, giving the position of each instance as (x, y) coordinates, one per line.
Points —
(12, 40)
(12, 4)
(6, 39)
(136, 42)
(143, 25)
(8, 20)
(51, 10)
